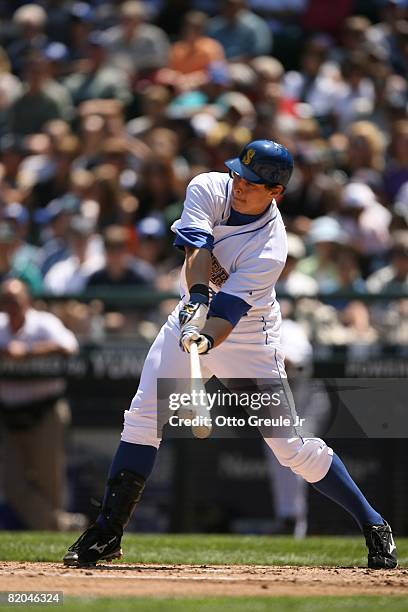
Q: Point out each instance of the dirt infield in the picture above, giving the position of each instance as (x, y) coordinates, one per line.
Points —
(120, 580)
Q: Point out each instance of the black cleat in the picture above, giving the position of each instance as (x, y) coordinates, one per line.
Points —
(382, 552)
(123, 492)
(95, 544)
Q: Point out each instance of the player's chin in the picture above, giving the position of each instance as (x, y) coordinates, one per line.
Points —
(239, 205)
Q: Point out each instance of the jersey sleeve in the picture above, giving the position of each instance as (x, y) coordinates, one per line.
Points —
(194, 238)
(195, 227)
(228, 307)
(254, 280)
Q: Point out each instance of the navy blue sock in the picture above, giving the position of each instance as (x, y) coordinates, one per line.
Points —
(341, 488)
(137, 458)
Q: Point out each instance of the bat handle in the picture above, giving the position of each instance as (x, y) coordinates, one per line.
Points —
(203, 430)
(195, 367)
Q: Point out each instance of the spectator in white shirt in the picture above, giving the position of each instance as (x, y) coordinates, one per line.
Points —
(33, 413)
(70, 275)
(292, 281)
(365, 222)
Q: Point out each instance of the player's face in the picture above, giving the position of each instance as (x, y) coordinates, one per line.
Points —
(249, 198)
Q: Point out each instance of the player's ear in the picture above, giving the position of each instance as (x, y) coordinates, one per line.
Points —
(276, 190)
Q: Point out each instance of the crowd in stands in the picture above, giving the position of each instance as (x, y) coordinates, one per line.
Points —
(109, 108)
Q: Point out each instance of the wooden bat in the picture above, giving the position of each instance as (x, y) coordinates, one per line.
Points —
(196, 382)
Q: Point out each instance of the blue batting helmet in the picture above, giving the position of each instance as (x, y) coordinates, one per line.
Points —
(263, 162)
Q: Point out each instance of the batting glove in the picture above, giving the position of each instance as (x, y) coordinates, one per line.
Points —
(192, 334)
(193, 313)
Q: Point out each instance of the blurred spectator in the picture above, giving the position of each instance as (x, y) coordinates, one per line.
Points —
(93, 130)
(400, 209)
(96, 79)
(40, 97)
(164, 144)
(194, 51)
(55, 219)
(58, 56)
(151, 245)
(357, 96)
(19, 219)
(55, 182)
(237, 109)
(396, 171)
(158, 186)
(11, 155)
(243, 78)
(272, 107)
(269, 72)
(282, 17)
(30, 21)
(292, 281)
(325, 236)
(394, 323)
(384, 34)
(10, 89)
(79, 26)
(153, 110)
(399, 53)
(134, 46)
(353, 37)
(108, 194)
(242, 33)
(394, 276)
(224, 142)
(349, 270)
(365, 222)
(11, 265)
(70, 275)
(358, 329)
(321, 322)
(311, 192)
(120, 268)
(34, 415)
(317, 83)
(191, 56)
(54, 88)
(366, 147)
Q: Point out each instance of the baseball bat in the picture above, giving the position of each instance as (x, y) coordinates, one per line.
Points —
(203, 430)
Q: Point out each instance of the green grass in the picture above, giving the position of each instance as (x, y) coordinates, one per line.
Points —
(203, 549)
(214, 549)
(242, 604)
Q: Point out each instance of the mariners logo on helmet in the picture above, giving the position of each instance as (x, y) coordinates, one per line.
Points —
(248, 157)
(263, 162)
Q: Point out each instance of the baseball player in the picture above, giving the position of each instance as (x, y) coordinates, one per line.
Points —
(235, 248)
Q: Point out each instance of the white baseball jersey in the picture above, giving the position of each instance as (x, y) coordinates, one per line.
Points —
(246, 260)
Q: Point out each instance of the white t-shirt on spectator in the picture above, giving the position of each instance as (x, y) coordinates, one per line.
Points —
(38, 327)
(70, 276)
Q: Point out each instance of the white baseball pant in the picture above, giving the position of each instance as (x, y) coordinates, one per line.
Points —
(309, 457)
